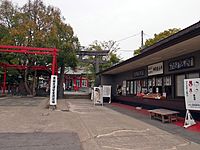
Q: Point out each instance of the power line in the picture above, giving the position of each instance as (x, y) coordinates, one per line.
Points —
(147, 34)
(127, 37)
(126, 50)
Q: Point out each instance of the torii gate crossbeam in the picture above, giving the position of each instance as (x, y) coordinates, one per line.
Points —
(32, 51)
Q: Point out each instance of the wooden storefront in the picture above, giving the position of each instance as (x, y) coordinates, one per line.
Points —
(155, 77)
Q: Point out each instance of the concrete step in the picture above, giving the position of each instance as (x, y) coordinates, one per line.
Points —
(76, 96)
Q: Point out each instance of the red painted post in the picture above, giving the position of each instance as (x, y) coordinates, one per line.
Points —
(4, 81)
(56, 68)
(74, 84)
(54, 62)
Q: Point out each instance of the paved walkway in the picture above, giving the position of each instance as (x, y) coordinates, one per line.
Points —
(20, 101)
(77, 124)
(190, 133)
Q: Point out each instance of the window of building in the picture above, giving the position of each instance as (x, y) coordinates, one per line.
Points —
(157, 85)
(167, 88)
(135, 87)
(150, 85)
(180, 85)
(69, 84)
(159, 81)
(131, 88)
(167, 81)
(153, 81)
(144, 83)
(124, 88)
(84, 83)
(139, 88)
(180, 82)
(78, 83)
(128, 87)
(144, 86)
(192, 75)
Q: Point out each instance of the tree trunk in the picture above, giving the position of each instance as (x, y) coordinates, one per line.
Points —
(34, 83)
(61, 81)
(26, 83)
(22, 89)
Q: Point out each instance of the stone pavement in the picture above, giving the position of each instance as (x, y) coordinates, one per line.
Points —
(78, 124)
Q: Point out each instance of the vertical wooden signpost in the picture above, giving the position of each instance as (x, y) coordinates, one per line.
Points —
(53, 91)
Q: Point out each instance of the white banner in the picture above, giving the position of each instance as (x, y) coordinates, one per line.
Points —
(53, 90)
(98, 95)
(106, 91)
(192, 93)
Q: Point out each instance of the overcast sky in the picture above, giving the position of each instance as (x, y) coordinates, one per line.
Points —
(105, 20)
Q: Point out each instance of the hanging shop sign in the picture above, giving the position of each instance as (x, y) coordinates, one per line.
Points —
(139, 73)
(155, 69)
(192, 93)
(53, 90)
(181, 64)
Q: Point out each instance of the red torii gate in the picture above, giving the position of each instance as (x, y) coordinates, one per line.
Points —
(32, 51)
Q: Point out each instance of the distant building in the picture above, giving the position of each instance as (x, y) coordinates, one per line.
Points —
(76, 79)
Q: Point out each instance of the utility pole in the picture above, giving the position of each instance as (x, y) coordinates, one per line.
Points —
(142, 39)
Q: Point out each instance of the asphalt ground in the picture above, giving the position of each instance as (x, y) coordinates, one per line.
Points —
(169, 127)
(39, 141)
(77, 124)
(23, 120)
(20, 101)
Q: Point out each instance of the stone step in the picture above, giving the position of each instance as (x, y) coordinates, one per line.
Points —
(76, 96)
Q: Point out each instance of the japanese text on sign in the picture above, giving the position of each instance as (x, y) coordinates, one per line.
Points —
(53, 90)
(192, 93)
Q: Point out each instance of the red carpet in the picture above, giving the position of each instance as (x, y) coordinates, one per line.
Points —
(180, 122)
(195, 127)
